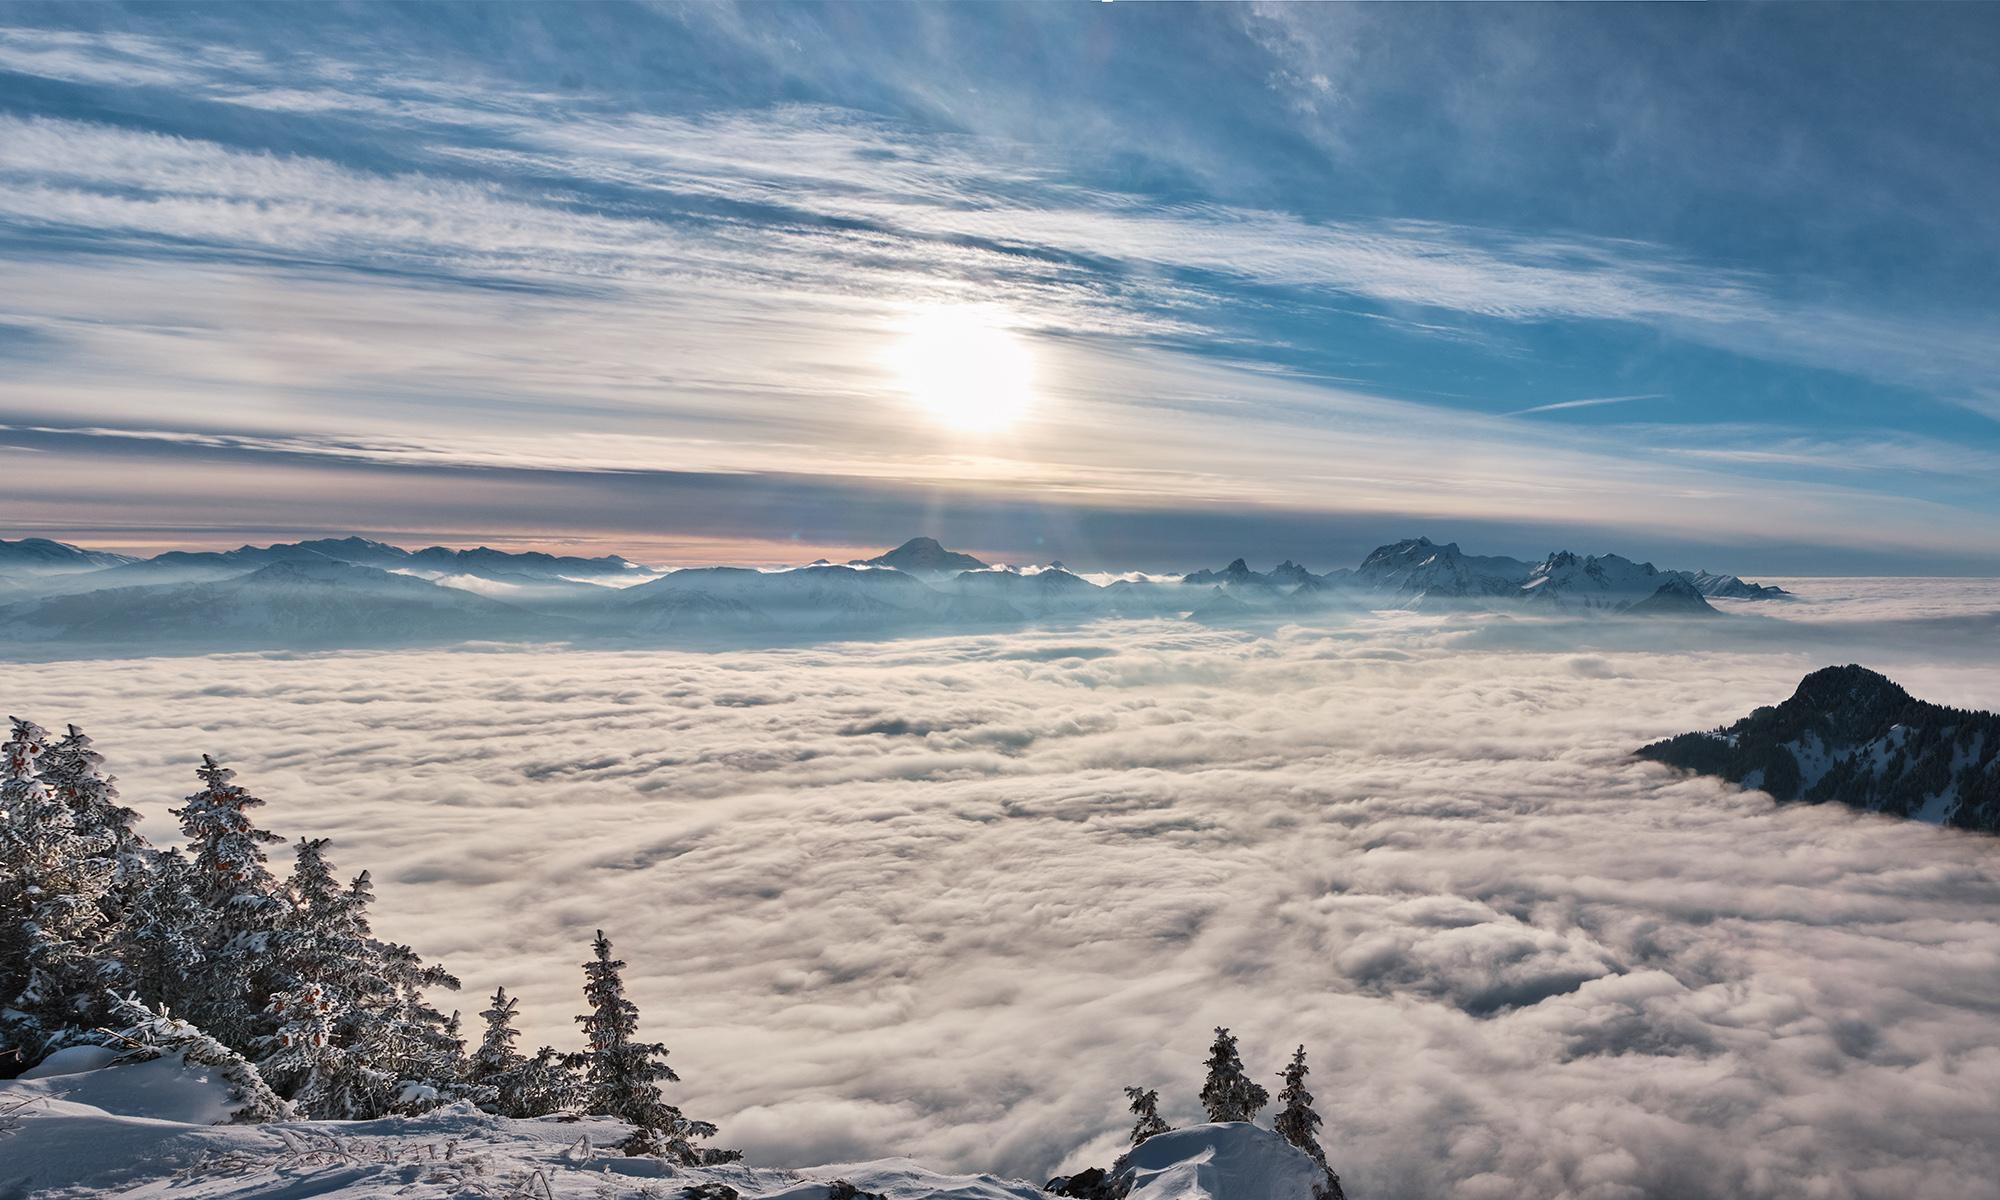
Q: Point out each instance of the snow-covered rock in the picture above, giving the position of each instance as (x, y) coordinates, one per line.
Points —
(1232, 1161)
(1229, 1160)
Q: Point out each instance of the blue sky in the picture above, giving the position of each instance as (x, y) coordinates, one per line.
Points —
(1712, 285)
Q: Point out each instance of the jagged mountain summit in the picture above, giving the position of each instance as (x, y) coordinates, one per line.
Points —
(1418, 568)
(1852, 736)
(1729, 587)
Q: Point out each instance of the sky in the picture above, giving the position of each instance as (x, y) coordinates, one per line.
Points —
(1129, 286)
(947, 898)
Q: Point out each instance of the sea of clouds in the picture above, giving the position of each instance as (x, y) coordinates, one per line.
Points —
(946, 897)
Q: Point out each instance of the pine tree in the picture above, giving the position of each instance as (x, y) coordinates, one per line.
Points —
(496, 1064)
(323, 1050)
(162, 940)
(496, 1054)
(548, 1082)
(232, 882)
(55, 960)
(73, 772)
(622, 1076)
(425, 1049)
(1228, 1094)
(1298, 1124)
(1146, 1110)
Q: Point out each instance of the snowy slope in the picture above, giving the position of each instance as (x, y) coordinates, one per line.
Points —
(148, 1131)
(1225, 1162)
(145, 1131)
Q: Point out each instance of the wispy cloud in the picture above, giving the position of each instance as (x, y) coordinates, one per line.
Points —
(623, 290)
(1592, 402)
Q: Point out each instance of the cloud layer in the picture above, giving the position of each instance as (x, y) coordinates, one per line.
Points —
(946, 898)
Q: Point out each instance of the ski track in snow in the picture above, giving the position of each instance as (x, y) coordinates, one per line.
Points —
(945, 897)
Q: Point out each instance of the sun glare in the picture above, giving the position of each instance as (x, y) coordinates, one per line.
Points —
(966, 369)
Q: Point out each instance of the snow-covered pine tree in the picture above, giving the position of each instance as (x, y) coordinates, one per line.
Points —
(73, 771)
(324, 1049)
(1298, 1124)
(1228, 1094)
(55, 960)
(303, 1059)
(548, 1082)
(231, 880)
(1146, 1114)
(496, 1064)
(622, 1076)
(162, 940)
(425, 1049)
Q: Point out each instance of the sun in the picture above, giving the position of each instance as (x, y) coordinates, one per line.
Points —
(966, 368)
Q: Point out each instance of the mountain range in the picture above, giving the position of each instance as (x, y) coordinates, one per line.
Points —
(1851, 736)
(354, 591)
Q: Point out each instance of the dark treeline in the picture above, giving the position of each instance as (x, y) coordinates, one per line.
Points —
(277, 982)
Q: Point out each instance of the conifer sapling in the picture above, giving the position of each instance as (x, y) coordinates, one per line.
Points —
(1146, 1111)
(1228, 1094)
(1298, 1124)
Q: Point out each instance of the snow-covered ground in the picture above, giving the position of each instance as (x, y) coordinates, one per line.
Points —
(148, 1131)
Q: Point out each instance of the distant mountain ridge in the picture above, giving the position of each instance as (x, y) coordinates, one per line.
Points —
(43, 556)
(1852, 736)
(1419, 570)
(355, 591)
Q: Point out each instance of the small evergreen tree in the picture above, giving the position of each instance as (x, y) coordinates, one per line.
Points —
(1228, 1094)
(1146, 1111)
(496, 1054)
(622, 1076)
(1298, 1124)
(496, 1064)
